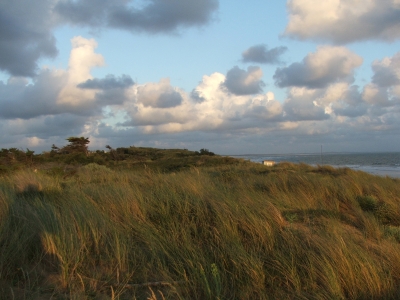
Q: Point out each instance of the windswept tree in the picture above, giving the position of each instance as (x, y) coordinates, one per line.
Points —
(76, 145)
(113, 153)
(54, 149)
(29, 155)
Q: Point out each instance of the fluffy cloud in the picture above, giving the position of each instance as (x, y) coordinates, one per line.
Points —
(54, 92)
(343, 21)
(377, 99)
(218, 109)
(264, 108)
(349, 103)
(387, 71)
(261, 54)
(159, 95)
(82, 60)
(375, 95)
(156, 107)
(301, 105)
(340, 101)
(317, 70)
(194, 95)
(241, 82)
(384, 90)
(222, 109)
(26, 26)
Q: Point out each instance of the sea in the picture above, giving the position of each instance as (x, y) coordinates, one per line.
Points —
(382, 164)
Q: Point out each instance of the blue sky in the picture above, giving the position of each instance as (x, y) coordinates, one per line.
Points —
(243, 77)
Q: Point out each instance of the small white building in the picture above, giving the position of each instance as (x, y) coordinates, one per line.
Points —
(268, 163)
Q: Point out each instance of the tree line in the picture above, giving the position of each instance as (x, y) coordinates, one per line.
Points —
(77, 152)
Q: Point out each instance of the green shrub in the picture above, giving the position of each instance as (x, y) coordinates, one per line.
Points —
(367, 203)
(392, 232)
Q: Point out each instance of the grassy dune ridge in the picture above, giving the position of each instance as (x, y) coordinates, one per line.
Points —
(219, 229)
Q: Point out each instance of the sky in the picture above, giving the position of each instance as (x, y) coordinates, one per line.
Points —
(234, 77)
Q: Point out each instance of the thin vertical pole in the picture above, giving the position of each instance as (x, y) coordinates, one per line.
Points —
(321, 156)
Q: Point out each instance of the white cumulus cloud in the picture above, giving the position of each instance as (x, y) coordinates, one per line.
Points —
(344, 21)
(317, 70)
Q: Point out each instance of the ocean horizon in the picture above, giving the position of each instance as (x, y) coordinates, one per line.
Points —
(376, 163)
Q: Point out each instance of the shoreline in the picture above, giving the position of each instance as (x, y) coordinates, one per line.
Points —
(380, 164)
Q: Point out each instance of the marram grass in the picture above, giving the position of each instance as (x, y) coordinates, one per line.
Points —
(241, 231)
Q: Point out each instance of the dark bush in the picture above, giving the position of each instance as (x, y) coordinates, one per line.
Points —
(367, 203)
(206, 152)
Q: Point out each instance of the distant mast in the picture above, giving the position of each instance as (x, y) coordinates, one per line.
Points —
(321, 156)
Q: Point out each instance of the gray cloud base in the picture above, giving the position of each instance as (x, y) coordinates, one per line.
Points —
(107, 83)
(387, 73)
(25, 36)
(161, 16)
(92, 13)
(261, 54)
(156, 16)
(241, 82)
(26, 101)
(26, 26)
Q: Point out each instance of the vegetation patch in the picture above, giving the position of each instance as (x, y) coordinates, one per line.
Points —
(386, 213)
(393, 232)
(368, 203)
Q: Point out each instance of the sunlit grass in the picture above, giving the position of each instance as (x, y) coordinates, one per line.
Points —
(237, 231)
